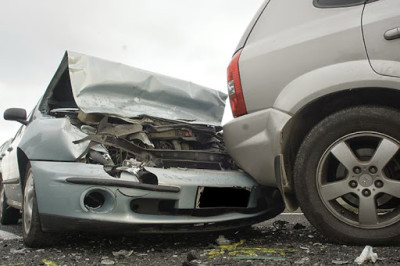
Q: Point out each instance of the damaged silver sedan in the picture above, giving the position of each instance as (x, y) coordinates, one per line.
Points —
(115, 148)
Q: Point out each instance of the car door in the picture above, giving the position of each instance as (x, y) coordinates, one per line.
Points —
(381, 28)
(10, 171)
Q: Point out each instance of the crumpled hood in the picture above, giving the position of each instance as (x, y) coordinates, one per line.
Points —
(101, 86)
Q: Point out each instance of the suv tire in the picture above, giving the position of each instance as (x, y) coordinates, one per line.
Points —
(348, 171)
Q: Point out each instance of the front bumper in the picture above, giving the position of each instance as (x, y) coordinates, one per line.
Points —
(177, 203)
(254, 141)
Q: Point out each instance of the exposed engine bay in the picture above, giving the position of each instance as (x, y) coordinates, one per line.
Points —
(131, 118)
(129, 145)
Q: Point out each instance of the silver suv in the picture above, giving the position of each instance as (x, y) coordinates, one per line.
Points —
(314, 88)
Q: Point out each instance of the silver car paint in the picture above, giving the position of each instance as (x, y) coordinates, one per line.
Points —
(135, 92)
(289, 36)
(384, 55)
(48, 143)
(3, 150)
(55, 143)
(101, 86)
(287, 62)
(10, 171)
(52, 185)
(256, 135)
(323, 81)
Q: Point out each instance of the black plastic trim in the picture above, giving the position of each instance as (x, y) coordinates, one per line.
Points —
(340, 3)
(121, 183)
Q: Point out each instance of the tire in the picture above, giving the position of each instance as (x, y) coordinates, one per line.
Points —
(8, 215)
(33, 235)
(347, 176)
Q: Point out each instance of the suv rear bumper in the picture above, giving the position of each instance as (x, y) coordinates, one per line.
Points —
(254, 140)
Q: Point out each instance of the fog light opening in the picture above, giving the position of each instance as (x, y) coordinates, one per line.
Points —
(94, 200)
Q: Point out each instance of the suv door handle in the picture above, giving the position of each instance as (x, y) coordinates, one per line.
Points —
(9, 148)
(392, 34)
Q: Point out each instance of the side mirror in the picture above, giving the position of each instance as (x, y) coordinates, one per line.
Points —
(16, 114)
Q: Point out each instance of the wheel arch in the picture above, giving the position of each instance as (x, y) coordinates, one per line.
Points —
(311, 114)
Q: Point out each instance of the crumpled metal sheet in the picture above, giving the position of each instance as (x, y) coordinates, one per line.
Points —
(101, 86)
(52, 139)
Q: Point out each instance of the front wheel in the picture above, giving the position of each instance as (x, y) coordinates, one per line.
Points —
(31, 226)
(347, 176)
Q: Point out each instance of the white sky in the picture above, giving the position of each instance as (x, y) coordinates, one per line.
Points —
(186, 39)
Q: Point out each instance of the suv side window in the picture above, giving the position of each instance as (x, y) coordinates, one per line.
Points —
(337, 3)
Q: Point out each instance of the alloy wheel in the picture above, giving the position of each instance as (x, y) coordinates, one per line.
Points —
(358, 180)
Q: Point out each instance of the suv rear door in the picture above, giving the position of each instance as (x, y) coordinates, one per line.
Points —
(381, 28)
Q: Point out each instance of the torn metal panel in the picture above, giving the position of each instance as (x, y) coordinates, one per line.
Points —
(101, 86)
(52, 139)
(160, 156)
(118, 130)
(157, 120)
(143, 138)
(181, 177)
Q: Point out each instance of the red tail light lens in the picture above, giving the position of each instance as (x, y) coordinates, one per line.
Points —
(235, 87)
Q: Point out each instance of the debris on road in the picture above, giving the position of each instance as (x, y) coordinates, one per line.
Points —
(366, 254)
(306, 249)
(122, 253)
(305, 260)
(249, 258)
(280, 225)
(18, 251)
(49, 263)
(221, 240)
(192, 255)
(107, 262)
(8, 236)
(340, 262)
(248, 247)
(192, 263)
(298, 226)
(237, 251)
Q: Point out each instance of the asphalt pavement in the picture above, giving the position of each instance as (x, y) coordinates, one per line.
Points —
(286, 240)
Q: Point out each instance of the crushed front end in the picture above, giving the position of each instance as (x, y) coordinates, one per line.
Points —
(137, 172)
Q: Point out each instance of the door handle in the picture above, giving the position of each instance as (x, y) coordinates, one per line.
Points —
(9, 148)
(392, 34)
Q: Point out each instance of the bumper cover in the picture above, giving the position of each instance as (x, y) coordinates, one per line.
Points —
(171, 206)
(254, 141)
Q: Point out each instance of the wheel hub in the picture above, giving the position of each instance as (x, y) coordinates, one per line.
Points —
(366, 180)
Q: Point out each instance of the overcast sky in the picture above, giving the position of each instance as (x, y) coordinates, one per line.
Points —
(186, 39)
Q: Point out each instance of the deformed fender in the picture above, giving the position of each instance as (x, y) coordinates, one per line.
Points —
(52, 140)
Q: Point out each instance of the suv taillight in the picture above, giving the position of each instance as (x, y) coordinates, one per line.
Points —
(235, 87)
